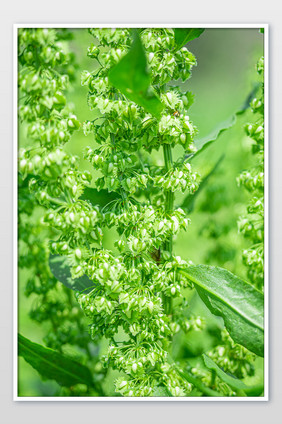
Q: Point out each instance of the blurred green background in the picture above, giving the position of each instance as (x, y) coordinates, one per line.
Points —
(224, 77)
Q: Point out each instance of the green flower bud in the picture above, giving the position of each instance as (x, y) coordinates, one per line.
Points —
(78, 253)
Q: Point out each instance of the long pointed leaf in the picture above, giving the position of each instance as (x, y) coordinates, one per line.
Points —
(203, 143)
(132, 78)
(52, 365)
(233, 382)
(188, 376)
(236, 301)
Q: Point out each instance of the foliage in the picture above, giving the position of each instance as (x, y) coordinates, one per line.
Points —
(221, 292)
(52, 365)
(132, 296)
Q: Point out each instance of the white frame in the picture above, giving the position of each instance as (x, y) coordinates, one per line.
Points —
(15, 216)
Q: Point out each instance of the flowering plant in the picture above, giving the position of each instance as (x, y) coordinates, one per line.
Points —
(131, 296)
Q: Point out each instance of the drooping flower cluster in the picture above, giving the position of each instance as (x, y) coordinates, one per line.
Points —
(252, 225)
(134, 289)
(49, 177)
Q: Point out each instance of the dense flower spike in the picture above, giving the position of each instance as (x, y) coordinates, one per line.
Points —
(252, 225)
(50, 177)
(135, 290)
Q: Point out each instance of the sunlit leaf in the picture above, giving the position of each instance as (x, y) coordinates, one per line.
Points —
(239, 304)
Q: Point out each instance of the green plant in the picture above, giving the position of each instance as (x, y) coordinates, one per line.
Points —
(47, 178)
(252, 225)
(132, 294)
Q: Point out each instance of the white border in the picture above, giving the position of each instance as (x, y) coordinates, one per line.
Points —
(15, 216)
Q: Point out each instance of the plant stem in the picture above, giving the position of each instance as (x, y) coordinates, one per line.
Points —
(169, 195)
(169, 199)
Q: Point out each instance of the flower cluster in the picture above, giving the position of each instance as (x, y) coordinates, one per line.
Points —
(252, 225)
(134, 288)
(166, 64)
(180, 178)
(49, 176)
(233, 358)
(147, 385)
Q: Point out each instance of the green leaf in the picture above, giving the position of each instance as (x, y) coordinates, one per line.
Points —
(52, 365)
(236, 301)
(233, 382)
(189, 201)
(184, 35)
(203, 143)
(60, 268)
(131, 76)
(98, 197)
(188, 376)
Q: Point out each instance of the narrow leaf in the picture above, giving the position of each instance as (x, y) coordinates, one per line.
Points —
(60, 268)
(204, 142)
(98, 197)
(233, 382)
(189, 201)
(236, 301)
(131, 76)
(183, 35)
(188, 376)
(52, 365)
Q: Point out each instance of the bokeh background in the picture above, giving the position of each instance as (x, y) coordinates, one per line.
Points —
(221, 82)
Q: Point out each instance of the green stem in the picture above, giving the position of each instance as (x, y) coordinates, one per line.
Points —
(169, 199)
(169, 195)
